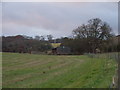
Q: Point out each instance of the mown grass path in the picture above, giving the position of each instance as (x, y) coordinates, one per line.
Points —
(51, 71)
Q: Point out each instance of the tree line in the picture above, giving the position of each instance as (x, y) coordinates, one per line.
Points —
(24, 44)
(95, 35)
(87, 38)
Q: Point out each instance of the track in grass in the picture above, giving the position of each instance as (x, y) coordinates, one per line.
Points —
(50, 71)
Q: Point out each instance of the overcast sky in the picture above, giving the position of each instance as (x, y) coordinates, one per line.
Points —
(58, 19)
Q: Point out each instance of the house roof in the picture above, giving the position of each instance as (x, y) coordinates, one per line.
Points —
(55, 45)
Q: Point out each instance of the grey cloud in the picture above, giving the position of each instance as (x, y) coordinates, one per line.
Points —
(58, 19)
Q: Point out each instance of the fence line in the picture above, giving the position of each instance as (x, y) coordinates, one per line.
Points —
(114, 56)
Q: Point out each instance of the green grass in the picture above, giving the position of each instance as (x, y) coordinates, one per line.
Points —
(50, 71)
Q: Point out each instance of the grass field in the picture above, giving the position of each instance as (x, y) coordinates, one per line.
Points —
(51, 71)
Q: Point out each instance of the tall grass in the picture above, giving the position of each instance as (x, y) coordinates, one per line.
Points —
(112, 56)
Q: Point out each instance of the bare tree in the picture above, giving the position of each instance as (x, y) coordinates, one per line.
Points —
(96, 31)
(42, 38)
(37, 37)
(49, 37)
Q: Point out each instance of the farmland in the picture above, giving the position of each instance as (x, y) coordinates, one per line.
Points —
(53, 71)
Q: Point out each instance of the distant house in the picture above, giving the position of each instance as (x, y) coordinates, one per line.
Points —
(63, 50)
(60, 50)
(55, 45)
